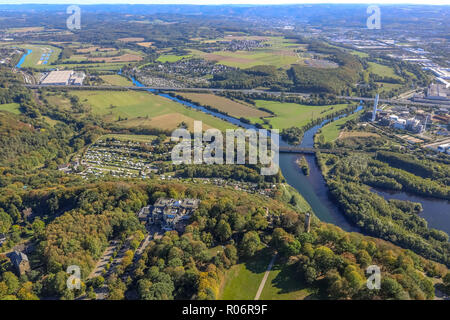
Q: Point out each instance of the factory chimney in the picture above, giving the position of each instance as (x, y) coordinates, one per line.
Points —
(375, 105)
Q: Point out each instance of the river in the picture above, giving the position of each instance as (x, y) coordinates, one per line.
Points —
(313, 187)
(435, 211)
(22, 59)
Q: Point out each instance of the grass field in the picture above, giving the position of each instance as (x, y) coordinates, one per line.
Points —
(26, 29)
(242, 280)
(33, 59)
(295, 115)
(116, 80)
(352, 134)
(130, 137)
(145, 109)
(382, 70)
(284, 283)
(171, 58)
(59, 100)
(331, 131)
(11, 107)
(388, 87)
(222, 104)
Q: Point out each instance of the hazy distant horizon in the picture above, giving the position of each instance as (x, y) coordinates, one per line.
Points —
(227, 2)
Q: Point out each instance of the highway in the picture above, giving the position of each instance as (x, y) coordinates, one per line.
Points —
(247, 91)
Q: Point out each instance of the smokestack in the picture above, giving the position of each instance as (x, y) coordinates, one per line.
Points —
(375, 105)
(307, 222)
(425, 125)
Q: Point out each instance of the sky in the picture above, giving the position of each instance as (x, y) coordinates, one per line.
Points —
(204, 2)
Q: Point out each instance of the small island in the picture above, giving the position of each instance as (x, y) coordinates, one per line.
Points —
(303, 164)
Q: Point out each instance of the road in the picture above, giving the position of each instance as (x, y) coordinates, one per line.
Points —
(104, 260)
(264, 279)
(248, 91)
(397, 101)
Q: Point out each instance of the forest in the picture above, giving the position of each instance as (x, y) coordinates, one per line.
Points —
(349, 179)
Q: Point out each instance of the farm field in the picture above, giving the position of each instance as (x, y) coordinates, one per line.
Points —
(330, 132)
(130, 137)
(94, 49)
(222, 104)
(127, 57)
(280, 54)
(131, 39)
(131, 108)
(171, 58)
(26, 29)
(10, 107)
(116, 80)
(95, 58)
(295, 115)
(145, 44)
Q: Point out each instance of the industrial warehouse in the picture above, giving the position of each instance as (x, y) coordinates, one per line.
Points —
(63, 78)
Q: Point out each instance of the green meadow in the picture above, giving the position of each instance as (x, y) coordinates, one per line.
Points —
(136, 108)
(285, 283)
(171, 58)
(242, 280)
(10, 107)
(330, 132)
(33, 59)
(382, 70)
(116, 80)
(293, 114)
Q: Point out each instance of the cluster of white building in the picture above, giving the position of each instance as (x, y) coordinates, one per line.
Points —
(444, 148)
(411, 124)
(401, 118)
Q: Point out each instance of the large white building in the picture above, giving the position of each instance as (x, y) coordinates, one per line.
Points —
(438, 92)
(63, 78)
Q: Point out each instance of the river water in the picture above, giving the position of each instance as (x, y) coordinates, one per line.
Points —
(435, 211)
(19, 64)
(313, 187)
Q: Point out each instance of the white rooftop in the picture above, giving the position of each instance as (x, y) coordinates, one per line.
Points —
(57, 77)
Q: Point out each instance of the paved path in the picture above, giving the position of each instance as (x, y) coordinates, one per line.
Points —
(263, 281)
(104, 260)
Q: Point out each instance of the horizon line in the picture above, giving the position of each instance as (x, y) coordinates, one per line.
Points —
(225, 3)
